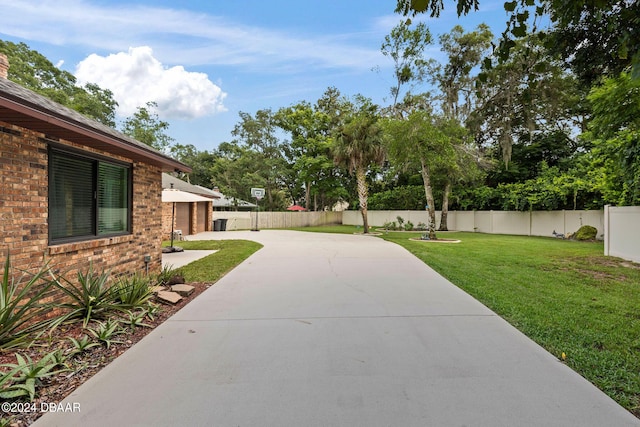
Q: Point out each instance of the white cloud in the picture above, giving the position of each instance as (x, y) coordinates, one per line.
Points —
(137, 77)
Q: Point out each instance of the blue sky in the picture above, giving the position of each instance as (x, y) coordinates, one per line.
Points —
(205, 61)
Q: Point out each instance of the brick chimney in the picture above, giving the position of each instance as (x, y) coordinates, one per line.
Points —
(4, 66)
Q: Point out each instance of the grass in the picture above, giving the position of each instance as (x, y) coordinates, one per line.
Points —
(565, 295)
(213, 267)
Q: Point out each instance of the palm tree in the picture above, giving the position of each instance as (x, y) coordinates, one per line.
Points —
(357, 146)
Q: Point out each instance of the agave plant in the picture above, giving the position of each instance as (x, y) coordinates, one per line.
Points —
(105, 332)
(133, 291)
(81, 345)
(136, 319)
(21, 306)
(23, 377)
(90, 298)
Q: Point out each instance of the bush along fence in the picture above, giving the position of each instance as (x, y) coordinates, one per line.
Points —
(534, 223)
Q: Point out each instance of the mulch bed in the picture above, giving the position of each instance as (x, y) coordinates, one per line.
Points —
(83, 366)
(438, 240)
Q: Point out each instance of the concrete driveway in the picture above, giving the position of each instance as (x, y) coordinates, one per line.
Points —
(336, 330)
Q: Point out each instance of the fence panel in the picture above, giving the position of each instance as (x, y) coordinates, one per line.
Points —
(622, 232)
(247, 220)
(539, 223)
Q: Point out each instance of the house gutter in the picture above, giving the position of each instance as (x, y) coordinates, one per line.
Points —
(37, 117)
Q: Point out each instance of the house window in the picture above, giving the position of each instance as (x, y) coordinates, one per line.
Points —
(89, 196)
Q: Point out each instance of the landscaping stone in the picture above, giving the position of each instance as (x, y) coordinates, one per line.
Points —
(182, 289)
(169, 297)
(156, 289)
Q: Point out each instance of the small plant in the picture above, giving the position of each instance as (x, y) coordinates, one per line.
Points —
(135, 320)
(26, 375)
(59, 358)
(167, 275)
(152, 311)
(7, 422)
(400, 222)
(389, 226)
(21, 306)
(90, 299)
(81, 345)
(421, 226)
(408, 226)
(133, 291)
(105, 332)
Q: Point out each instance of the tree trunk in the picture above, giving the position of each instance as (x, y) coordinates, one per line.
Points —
(445, 207)
(426, 177)
(307, 196)
(363, 192)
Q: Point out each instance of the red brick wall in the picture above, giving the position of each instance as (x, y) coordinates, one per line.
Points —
(24, 213)
(193, 220)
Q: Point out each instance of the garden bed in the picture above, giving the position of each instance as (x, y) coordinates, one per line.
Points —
(84, 365)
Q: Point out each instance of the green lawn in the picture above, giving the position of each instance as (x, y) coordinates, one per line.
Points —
(212, 267)
(565, 295)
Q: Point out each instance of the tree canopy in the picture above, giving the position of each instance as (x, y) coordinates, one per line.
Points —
(32, 70)
(596, 37)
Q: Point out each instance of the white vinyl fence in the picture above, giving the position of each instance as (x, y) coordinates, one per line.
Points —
(619, 227)
(247, 220)
(622, 232)
(537, 223)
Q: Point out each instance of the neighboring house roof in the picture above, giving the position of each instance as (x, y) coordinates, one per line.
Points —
(25, 108)
(219, 199)
(232, 202)
(169, 181)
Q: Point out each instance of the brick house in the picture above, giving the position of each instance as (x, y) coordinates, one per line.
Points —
(74, 191)
(190, 217)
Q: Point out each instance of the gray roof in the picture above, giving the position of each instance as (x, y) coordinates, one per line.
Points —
(230, 202)
(27, 109)
(170, 181)
(219, 199)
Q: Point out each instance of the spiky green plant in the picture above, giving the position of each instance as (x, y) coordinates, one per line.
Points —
(82, 344)
(152, 311)
(136, 319)
(133, 291)
(21, 306)
(89, 298)
(26, 375)
(105, 331)
(166, 274)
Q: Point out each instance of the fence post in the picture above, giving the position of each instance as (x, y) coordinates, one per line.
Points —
(606, 229)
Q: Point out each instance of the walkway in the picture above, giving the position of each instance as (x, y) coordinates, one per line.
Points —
(336, 330)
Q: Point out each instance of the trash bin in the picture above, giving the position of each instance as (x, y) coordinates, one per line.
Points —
(223, 224)
(217, 223)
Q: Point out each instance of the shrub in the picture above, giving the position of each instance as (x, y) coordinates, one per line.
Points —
(21, 306)
(387, 226)
(408, 226)
(586, 232)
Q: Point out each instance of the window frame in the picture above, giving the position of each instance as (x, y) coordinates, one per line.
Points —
(95, 159)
